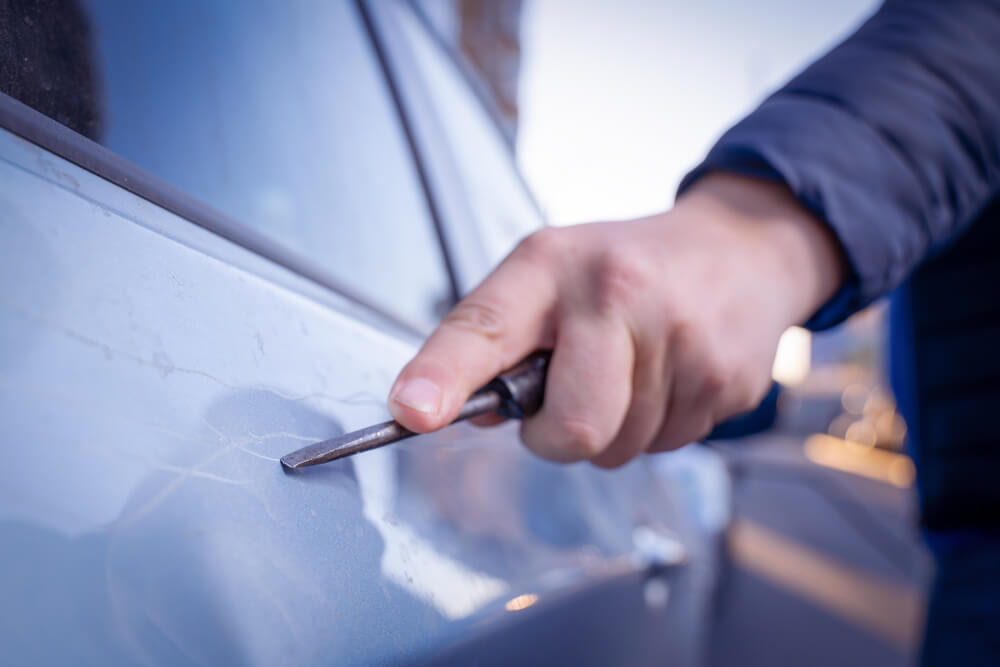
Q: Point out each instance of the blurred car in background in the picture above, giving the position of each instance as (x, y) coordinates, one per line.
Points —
(225, 227)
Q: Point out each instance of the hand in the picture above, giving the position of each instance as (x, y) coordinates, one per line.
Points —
(660, 327)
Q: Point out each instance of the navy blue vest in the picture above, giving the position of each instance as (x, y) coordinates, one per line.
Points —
(946, 372)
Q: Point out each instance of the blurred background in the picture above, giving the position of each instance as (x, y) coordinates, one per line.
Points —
(608, 105)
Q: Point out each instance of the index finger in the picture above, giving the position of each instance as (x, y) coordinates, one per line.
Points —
(500, 322)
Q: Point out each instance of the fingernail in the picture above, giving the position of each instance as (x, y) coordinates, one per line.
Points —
(421, 395)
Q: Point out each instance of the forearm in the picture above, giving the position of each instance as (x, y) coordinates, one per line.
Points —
(892, 140)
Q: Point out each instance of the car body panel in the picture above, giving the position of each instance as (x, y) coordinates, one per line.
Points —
(153, 369)
(153, 374)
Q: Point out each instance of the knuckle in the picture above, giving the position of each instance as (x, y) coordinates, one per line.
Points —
(580, 439)
(713, 385)
(746, 394)
(741, 403)
(542, 245)
(667, 443)
(678, 321)
(715, 379)
(703, 429)
(619, 279)
(478, 317)
(759, 390)
(713, 373)
(682, 431)
(684, 337)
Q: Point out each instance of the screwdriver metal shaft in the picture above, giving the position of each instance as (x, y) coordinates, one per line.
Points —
(379, 435)
(515, 394)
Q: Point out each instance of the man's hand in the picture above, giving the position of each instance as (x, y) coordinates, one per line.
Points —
(660, 327)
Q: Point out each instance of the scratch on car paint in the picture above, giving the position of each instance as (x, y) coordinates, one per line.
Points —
(54, 174)
(246, 450)
(282, 609)
(281, 435)
(243, 445)
(185, 473)
(284, 434)
(127, 520)
(162, 363)
(180, 470)
(122, 620)
(46, 393)
(240, 445)
(220, 436)
(163, 628)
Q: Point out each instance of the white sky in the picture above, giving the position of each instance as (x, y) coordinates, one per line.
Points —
(620, 99)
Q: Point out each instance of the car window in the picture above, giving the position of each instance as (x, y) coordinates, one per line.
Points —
(275, 113)
(504, 210)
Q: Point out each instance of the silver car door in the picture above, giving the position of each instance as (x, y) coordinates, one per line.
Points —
(158, 356)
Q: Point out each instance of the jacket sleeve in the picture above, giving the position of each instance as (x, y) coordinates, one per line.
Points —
(892, 139)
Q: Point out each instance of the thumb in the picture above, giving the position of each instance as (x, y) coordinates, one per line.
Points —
(494, 327)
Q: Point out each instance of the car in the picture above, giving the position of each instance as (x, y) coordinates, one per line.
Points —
(225, 227)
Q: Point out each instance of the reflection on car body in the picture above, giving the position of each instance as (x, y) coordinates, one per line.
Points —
(267, 228)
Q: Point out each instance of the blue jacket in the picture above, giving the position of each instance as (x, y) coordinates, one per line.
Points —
(893, 139)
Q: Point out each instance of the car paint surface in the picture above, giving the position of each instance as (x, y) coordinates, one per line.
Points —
(152, 374)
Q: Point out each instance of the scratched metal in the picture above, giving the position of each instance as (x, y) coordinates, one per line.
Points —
(152, 374)
(150, 378)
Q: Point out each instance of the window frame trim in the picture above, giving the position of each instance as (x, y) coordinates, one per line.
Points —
(463, 241)
(478, 88)
(383, 54)
(35, 127)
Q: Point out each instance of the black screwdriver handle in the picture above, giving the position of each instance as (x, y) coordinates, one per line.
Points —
(522, 388)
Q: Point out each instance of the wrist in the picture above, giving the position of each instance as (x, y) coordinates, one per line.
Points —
(801, 261)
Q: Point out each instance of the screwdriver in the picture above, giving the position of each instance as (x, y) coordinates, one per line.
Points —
(515, 394)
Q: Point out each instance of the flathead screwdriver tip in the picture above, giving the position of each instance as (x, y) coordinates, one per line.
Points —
(288, 464)
(516, 394)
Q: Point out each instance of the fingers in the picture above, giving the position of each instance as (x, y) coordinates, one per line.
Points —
(646, 413)
(640, 361)
(696, 385)
(494, 327)
(587, 393)
(687, 421)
